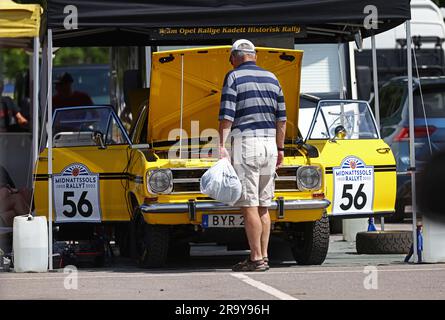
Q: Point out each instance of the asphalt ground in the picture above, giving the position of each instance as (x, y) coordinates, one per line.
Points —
(207, 275)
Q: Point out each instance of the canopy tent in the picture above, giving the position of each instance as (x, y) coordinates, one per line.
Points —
(147, 23)
(139, 22)
(19, 20)
(20, 28)
(19, 23)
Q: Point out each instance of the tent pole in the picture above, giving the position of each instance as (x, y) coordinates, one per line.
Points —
(376, 99)
(411, 136)
(147, 66)
(49, 129)
(35, 101)
(181, 106)
(340, 54)
(376, 83)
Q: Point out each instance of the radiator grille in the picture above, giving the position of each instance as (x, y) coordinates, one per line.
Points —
(186, 180)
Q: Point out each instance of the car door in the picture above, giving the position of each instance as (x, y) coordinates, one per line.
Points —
(91, 158)
(360, 167)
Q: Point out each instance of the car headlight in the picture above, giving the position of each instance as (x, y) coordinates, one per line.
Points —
(160, 181)
(309, 178)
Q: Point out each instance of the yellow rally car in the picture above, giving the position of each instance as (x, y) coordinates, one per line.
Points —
(146, 186)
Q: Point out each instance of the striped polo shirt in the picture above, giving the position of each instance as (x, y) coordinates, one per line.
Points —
(253, 100)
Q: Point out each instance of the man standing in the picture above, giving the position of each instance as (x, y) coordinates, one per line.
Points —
(253, 112)
(10, 115)
(65, 95)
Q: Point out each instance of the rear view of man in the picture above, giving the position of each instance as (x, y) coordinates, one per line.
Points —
(253, 109)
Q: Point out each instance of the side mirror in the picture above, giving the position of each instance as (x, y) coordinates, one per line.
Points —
(309, 150)
(98, 138)
(340, 132)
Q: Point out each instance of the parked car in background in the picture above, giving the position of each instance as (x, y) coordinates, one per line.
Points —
(429, 128)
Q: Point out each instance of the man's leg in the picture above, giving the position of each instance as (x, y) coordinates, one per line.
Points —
(253, 226)
(266, 191)
(265, 235)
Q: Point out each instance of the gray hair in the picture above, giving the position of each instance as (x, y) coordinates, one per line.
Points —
(240, 53)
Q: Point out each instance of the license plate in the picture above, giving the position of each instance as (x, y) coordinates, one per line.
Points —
(222, 221)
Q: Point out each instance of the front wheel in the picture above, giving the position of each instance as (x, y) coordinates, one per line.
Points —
(179, 251)
(152, 244)
(310, 245)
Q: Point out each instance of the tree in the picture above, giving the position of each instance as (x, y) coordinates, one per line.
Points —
(84, 55)
(12, 62)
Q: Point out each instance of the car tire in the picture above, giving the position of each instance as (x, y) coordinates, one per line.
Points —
(312, 249)
(178, 251)
(384, 242)
(123, 240)
(152, 245)
(336, 225)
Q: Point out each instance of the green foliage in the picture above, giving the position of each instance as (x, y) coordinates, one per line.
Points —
(13, 61)
(76, 55)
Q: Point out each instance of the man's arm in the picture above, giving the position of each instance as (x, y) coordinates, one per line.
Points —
(281, 127)
(281, 131)
(224, 131)
(16, 112)
(226, 113)
(21, 119)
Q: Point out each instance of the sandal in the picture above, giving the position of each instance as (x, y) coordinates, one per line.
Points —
(266, 262)
(249, 265)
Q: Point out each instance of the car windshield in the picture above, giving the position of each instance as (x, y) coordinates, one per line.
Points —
(77, 126)
(345, 120)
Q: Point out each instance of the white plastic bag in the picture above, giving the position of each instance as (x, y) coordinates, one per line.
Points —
(221, 182)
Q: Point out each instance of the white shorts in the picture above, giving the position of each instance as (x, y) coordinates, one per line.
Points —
(254, 160)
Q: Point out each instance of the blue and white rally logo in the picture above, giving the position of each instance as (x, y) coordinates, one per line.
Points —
(76, 195)
(75, 170)
(353, 187)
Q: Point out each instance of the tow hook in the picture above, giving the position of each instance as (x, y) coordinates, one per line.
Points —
(192, 209)
(280, 208)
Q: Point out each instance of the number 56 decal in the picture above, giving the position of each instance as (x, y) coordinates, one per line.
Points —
(76, 195)
(353, 187)
(79, 207)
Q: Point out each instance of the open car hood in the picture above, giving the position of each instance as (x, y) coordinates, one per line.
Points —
(200, 73)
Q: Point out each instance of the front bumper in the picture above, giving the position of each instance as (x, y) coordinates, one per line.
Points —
(192, 207)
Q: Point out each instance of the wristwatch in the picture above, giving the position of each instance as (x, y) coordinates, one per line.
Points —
(280, 149)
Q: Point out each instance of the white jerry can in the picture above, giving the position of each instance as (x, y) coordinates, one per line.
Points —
(433, 240)
(30, 244)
